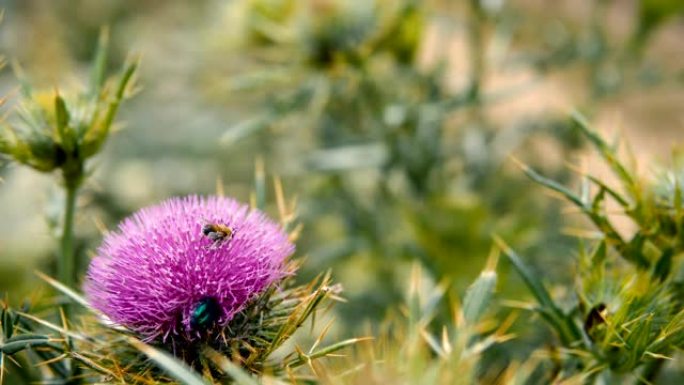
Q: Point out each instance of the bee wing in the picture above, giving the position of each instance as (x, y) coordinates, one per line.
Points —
(205, 226)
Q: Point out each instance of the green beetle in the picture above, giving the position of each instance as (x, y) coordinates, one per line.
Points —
(205, 314)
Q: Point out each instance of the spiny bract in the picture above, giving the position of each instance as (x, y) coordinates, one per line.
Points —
(154, 271)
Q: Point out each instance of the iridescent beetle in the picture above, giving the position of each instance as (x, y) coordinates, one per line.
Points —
(205, 314)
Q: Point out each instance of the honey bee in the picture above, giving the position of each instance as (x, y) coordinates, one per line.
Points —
(218, 233)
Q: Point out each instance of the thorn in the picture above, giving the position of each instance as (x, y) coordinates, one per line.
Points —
(280, 199)
(259, 168)
(507, 323)
(252, 200)
(580, 169)
(293, 206)
(15, 362)
(320, 337)
(519, 163)
(219, 186)
(493, 259)
(48, 362)
(446, 344)
(501, 244)
(99, 225)
(296, 232)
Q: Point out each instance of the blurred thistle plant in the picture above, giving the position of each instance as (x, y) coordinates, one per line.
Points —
(611, 65)
(414, 347)
(61, 132)
(627, 318)
(652, 14)
(327, 34)
(422, 351)
(395, 158)
(258, 305)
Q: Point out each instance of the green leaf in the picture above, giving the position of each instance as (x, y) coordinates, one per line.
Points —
(600, 253)
(634, 250)
(607, 152)
(478, 296)
(598, 200)
(65, 135)
(61, 113)
(531, 280)
(23, 337)
(553, 185)
(98, 131)
(663, 267)
(414, 310)
(97, 75)
(7, 323)
(638, 341)
(617, 196)
(433, 300)
(127, 74)
(19, 343)
(564, 325)
(599, 220)
(175, 368)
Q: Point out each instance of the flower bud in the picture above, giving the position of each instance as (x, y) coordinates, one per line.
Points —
(49, 131)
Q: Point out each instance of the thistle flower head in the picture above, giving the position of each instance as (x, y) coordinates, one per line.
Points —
(163, 274)
(49, 131)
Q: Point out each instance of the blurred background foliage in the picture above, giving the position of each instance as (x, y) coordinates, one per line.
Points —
(393, 122)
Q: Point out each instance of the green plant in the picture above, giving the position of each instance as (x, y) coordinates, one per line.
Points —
(253, 344)
(61, 132)
(626, 320)
(400, 173)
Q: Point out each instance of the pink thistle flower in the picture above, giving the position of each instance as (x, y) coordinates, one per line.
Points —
(160, 274)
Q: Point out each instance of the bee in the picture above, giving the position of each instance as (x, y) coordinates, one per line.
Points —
(218, 233)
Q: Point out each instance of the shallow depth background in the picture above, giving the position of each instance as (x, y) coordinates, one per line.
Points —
(384, 174)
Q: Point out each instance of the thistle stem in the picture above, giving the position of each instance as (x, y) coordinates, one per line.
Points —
(67, 262)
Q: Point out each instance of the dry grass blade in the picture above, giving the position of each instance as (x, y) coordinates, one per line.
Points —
(171, 365)
(64, 289)
(56, 328)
